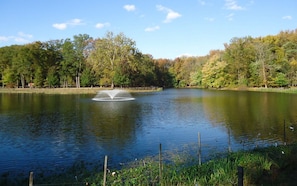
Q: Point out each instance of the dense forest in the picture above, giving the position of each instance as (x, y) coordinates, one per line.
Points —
(114, 60)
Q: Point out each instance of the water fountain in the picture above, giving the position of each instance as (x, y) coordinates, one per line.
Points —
(113, 95)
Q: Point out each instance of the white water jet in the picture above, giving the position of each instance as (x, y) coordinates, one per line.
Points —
(113, 95)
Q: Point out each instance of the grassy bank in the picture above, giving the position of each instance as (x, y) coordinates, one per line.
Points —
(90, 90)
(281, 90)
(256, 89)
(263, 166)
(94, 90)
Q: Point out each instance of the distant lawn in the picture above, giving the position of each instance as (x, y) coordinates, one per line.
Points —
(88, 90)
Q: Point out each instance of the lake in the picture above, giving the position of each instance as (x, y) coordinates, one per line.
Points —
(48, 133)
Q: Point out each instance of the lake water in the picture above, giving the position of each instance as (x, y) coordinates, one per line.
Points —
(48, 133)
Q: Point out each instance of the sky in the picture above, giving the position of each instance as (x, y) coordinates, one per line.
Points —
(162, 28)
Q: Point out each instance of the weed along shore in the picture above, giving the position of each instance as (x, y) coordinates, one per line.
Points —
(88, 90)
(274, 165)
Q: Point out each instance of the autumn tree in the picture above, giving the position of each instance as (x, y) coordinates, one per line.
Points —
(290, 48)
(214, 71)
(162, 70)
(259, 68)
(196, 75)
(181, 70)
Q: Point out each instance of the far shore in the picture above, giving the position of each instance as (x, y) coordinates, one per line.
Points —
(94, 90)
(292, 90)
(88, 90)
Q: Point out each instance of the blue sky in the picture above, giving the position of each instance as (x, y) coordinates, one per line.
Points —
(162, 28)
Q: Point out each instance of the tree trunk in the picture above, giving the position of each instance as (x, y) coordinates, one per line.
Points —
(112, 85)
(2, 80)
(23, 81)
(77, 81)
(264, 74)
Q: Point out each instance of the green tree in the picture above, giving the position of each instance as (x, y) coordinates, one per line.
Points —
(108, 54)
(238, 55)
(142, 73)
(53, 54)
(293, 73)
(9, 77)
(38, 58)
(6, 54)
(81, 42)
(52, 79)
(22, 65)
(196, 78)
(67, 65)
(281, 80)
(87, 77)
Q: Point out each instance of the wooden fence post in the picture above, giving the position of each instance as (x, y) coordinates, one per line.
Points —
(31, 179)
(105, 171)
(240, 175)
(229, 140)
(160, 162)
(199, 148)
(285, 140)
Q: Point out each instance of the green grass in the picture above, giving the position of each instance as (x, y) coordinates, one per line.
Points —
(262, 166)
(292, 90)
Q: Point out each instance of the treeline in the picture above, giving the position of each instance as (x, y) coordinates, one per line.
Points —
(114, 60)
(82, 61)
(269, 61)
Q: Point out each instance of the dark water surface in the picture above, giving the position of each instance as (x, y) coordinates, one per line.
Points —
(48, 133)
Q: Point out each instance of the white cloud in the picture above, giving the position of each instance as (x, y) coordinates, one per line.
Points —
(21, 37)
(75, 22)
(129, 7)
(63, 26)
(60, 26)
(151, 29)
(22, 34)
(171, 15)
(4, 38)
(232, 5)
(102, 25)
(287, 17)
(21, 40)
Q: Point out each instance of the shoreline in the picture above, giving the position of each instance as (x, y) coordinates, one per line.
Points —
(94, 90)
(261, 89)
(87, 90)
